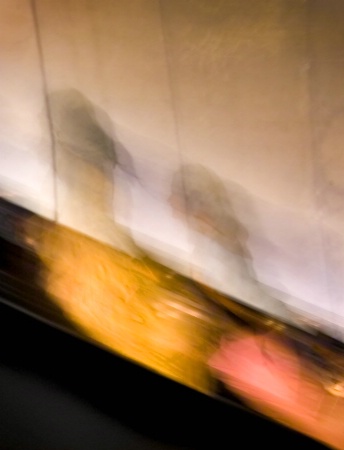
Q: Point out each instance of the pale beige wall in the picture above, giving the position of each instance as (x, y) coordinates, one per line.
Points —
(25, 148)
(240, 72)
(252, 90)
(113, 52)
(327, 107)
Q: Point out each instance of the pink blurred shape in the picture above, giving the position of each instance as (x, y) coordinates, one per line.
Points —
(273, 380)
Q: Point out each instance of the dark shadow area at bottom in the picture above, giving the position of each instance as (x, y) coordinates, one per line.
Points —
(57, 392)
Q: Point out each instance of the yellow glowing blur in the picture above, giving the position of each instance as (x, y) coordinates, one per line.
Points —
(126, 305)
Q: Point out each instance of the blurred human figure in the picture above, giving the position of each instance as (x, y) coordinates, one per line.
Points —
(85, 161)
(221, 257)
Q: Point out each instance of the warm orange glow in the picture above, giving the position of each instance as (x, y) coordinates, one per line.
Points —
(128, 306)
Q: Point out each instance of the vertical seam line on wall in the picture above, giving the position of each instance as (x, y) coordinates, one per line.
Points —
(46, 103)
(173, 96)
(315, 156)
